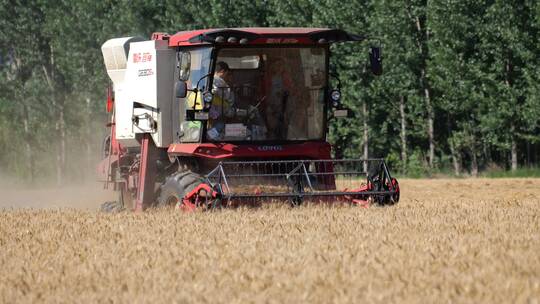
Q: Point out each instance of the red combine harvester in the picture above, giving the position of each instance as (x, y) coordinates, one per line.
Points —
(216, 117)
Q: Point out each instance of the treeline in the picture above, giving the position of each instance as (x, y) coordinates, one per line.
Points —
(460, 90)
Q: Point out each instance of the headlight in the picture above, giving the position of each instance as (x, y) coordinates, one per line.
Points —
(207, 98)
(335, 97)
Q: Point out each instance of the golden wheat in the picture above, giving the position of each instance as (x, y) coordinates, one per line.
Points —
(470, 240)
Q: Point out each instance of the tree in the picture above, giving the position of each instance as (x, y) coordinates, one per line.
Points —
(506, 46)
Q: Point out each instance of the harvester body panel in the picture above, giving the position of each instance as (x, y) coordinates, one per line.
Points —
(143, 91)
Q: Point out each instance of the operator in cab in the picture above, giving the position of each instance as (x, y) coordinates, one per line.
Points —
(221, 86)
(223, 103)
(278, 87)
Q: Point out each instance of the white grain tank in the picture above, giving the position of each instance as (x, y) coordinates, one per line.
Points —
(143, 77)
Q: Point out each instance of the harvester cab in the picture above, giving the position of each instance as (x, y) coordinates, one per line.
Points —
(208, 118)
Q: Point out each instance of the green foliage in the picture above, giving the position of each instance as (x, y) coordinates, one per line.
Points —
(416, 167)
(521, 172)
(477, 59)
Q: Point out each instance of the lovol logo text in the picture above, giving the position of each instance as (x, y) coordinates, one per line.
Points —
(270, 148)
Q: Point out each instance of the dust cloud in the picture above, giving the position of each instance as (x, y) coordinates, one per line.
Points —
(82, 195)
(79, 190)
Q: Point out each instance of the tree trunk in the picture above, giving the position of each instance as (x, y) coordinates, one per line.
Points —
(422, 37)
(60, 132)
(514, 156)
(474, 158)
(28, 144)
(456, 160)
(61, 156)
(454, 151)
(474, 163)
(513, 143)
(431, 131)
(56, 85)
(22, 73)
(366, 134)
(528, 154)
(88, 138)
(486, 152)
(403, 132)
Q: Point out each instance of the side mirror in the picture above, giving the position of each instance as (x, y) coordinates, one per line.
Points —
(375, 60)
(180, 89)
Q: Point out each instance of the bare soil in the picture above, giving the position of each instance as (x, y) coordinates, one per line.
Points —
(448, 240)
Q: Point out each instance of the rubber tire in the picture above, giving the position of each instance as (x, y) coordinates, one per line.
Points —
(394, 199)
(177, 186)
(106, 146)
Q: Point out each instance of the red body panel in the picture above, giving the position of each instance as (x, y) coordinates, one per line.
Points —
(290, 35)
(307, 150)
(116, 148)
(182, 38)
(147, 174)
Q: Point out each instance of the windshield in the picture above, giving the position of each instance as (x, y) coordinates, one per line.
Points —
(268, 93)
(193, 64)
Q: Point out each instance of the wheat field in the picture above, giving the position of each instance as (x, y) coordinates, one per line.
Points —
(447, 241)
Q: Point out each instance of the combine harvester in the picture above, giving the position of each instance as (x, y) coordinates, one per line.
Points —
(210, 118)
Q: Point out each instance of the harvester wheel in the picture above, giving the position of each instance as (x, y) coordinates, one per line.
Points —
(395, 197)
(106, 147)
(385, 199)
(175, 188)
